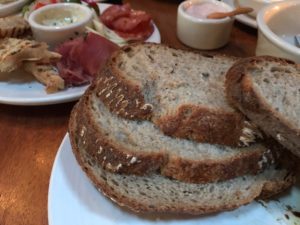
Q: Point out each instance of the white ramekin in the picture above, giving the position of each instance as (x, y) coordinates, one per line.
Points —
(203, 33)
(54, 35)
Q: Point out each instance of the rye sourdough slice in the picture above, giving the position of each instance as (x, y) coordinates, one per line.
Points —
(267, 90)
(182, 92)
(138, 147)
(156, 193)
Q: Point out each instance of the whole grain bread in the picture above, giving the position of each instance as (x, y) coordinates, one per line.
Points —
(181, 92)
(267, 90)
(156, 193)
(138, 147)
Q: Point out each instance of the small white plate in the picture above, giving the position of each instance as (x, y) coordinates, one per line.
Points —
(73, 200)
(19, 88)
(245, 19)
(11, 7)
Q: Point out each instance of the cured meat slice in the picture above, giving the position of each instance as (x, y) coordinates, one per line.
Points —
(114, 12)
(128, 23)
(83, 57)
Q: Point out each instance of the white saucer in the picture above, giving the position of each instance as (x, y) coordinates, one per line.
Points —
(73, 200)
(245, 19)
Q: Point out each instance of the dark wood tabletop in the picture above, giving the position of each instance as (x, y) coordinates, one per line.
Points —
(30, 136)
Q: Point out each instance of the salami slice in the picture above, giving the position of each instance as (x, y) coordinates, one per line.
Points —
(135, 25)
(114, 12)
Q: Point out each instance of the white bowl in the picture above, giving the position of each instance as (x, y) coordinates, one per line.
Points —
(58, 22)
(11, 7)
(256, 5)
(277, 26)
(203, 33)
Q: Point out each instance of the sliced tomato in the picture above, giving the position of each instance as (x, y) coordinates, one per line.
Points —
(139, 33)
(39, 5)
(114, 12)
(127, 23)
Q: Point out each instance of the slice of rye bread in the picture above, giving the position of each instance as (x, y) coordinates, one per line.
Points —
(138, 147)
(156, 193)
(267, 90)
(182, 92)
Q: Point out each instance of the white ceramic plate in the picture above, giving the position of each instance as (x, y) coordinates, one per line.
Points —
(19, 88)
(73, 200)
(247, 20)
(11, 7)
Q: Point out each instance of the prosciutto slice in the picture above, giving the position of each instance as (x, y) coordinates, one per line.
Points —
(83, 57)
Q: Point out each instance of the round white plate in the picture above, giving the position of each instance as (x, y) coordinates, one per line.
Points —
(245, 19)
(73, 200)
(11, 7)
(19, 88)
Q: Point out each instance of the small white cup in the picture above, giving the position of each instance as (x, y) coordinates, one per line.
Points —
(52, 34)
(203, 33)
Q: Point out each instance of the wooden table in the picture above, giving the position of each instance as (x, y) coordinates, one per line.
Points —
(30, 136)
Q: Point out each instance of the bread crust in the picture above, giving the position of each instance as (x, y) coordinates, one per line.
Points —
(121, 96)
(267, 190)
(201, 124)
(114, 157)
(204, 125)
(241, 94)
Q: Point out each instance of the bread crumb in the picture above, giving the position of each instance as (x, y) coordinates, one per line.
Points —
(82, 132)
(109, 166)
(133, 160)
(119, 166)
(137, 102)
(280, 137)
(146, 106)
(100, 150)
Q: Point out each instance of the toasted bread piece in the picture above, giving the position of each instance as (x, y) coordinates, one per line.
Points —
(267, 90)
(138, 147)
(13, 52)
(156, 193)
(181, 92)
(13, 26)
(47, 74)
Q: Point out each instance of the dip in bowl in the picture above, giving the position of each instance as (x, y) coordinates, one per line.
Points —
(56, 23)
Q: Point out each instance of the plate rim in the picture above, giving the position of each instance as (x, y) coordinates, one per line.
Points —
(251, 22)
